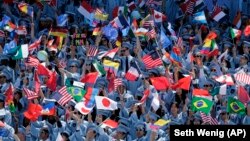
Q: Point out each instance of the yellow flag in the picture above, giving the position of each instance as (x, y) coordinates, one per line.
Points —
(162, 122)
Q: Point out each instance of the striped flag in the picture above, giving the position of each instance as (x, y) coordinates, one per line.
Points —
(25, 8)
(144, 98)
(151, 34)
(209, 119)
(30, 94)
(190, 6)
(86, 10)
(132, 74)
(32, 61)
(62, 97)
(242, 78)
(93, 50)
(111, 53)
(58, 31)
(117, 82)
(21, 30)
(141, 3)
(179, 42)
(217, 14)
(131, 5)
(237, 20)
(152, 60)
(100, 15)
(35, 45)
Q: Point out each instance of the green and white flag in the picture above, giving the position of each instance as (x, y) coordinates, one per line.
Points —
(99, 68)
(22, 52)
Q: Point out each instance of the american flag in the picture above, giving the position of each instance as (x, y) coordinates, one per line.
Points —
(152, 60)
(149, 23)
(98, 11)
(190, 6)
(242, 78)
(32, 61)
(179, 42)
(62, 97)
(209, 119)
(117, 82)
(93, 50)
(30, 94)
(151, 34)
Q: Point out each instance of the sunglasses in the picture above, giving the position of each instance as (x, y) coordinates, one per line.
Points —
(139, 129)
(124, 50)
(198, 56)
(72, 66)
(213, 70)
(207, 85)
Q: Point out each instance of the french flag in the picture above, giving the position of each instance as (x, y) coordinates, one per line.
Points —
(121, 22)
(132, 74)
(86, 10)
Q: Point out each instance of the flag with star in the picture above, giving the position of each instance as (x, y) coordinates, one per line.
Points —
(201, 104)
(235, 106)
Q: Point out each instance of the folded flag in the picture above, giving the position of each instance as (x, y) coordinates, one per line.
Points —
(243, 95)
(76, 92)
(62, 20)
(235, 33)
(30, 94)
(62, 96)
(247, 30)
(82, 108)
(25, 8)
(105, 103)
(152, 60)
(225, 79)
(201, 104)
(109, 123)
(235, 106)
(99, 68)
(23, 52)
(200, 17)
(48, 107)
(160, 83)
(86, 10)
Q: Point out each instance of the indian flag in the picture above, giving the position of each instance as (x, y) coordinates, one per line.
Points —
(235, 32)
(23, 52)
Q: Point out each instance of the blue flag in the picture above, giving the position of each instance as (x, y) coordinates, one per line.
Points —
(62, 20)
(200, 17)
(10, 48)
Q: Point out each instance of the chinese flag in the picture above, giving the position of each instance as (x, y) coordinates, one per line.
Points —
(42, 70)
(51, 83)
(160, 83)
(183, 83)
(33, 111)
(90, 78)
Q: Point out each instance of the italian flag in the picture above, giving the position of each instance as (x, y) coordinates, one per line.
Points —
(23, 52)
(235, 32)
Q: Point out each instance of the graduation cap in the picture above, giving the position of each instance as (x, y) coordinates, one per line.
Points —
(70, 13)
(129, 103)
(101, 82)
(2, 98)
(140, 125)
(246, 44)
(92, 127)
(127, 45)
(105, 113)
(124, 121)
(5, 72)
(122, 128)
(73, 62)
(245, 56)
(227, 44)
(153, 116)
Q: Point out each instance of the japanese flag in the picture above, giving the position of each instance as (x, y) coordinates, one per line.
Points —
(105, 103)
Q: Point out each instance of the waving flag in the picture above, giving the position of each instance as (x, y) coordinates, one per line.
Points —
(23, 52)
(235, 106)
(201, 104)
(90, 78)
(247, 30)
(109, 123)
(119, 10)
(242, 78)
(86, 10)
(235, 32)
(152, 60)
(62, 97)
(117, 82)
(25, 8)
(48, 107)
(58, 31)
(32, 61)
(100, 15)
(243, 95)
(82, 108)
(183, 83)
(33, 111)
(76, 92)
(145, 96)
(132, 74)
(99, 68)
(35, 45)
(218, 14)
(90, 96)
(131, 5)
(200, 17)
(105, 103)
(208, 119)
(30, 94)
(160, 83)
(159, 17)
(225, 79)
(10, 48)
(121, 22)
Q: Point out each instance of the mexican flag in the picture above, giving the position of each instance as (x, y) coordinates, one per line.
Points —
(201, 104)
(23, 52)
(235, 32)
(235, 106)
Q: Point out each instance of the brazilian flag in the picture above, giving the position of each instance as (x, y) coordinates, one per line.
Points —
(76, 92)
(235, 106)
(201, 104)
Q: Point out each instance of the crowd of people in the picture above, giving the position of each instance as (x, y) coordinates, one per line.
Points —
(121, 70)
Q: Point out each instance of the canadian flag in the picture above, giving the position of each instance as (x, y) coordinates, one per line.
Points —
(159, 17)
(82, 108)
(105, 103)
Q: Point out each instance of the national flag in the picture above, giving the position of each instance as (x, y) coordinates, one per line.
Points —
(199, 5)
(145, 96)
(210, 48)
(179, 42)
(109, 123)
(235, 106)
(25, 8)
(111, 65)
(96, 31)
(202, 93)
(48, 107)
(21, 30)
(99, 68)
(175, 58)
(154, 2)
(10, 26)
(90, 96)
(221, 90)
(117, 82)
(147, 21)
(151, 34)
(160, 83)
(35, 45)
(134, 25)
(201, 104)
(155, 102)
(247, 30)
(152, 60)
(90, 78)
(37, 82)
(242, 78)
(211, 35)
(188, 6)
(33, 111)
(217, 14)
(86, 10)
(77, 84)
(159, 17)
(62, 20)
(132, 74)
(141, 3)
(208, 119)
(82, 108)
(9, 95)
(62, 96)
(162, 122)
(100, 15)
(30, 94)
(121, 21)
(58, 31)
(166, 57)
(52, 81)
(243, 95)
(118, 10)
(131, 5)
(10, 48)
(23, 52)
(76, 92)
(235, 32)
(200, 17)
(183, 83)
(32, 61)
(237, 20)
(42, 70)
(105, 103)
(141, 31)
(93, 50)
(111, 53)
(225, 79)
(165, 41)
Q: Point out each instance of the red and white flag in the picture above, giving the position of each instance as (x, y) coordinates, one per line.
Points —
(109, 123)
(35, 45)
(132, 74)
(131, 5)
(86, 10)
(144, 98)
(117, 82)
(159, 17)
(111, 53)
(237, 20)
(82, 108)
(242, 78)
(151, 34)
(30, 94)
(32, 61)
(225, 79)
(209, 119)
(93, 50)
(105, 103)
(21, 30)
(218, 14)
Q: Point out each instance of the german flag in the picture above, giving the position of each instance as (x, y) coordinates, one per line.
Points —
(58, 31)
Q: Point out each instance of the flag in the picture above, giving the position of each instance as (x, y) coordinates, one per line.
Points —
(188, 6)
(211, 35)
(9, 95)
(183, 83)
(132, 74)
(62, 97)
(105, 103)
(242, 78)
(165, 41)
(175, 58)
(222, 90)
(199, 5)
(201, 104)
(141, 31)
(42, 70)
(21, 30)
(52, 81)
(159, 17)
(210, 48)
(90, 78)
(162, 122)
(109, 123)
(23, 52)
(235, 106)
(35, 45)
(82, 108)
(48, 107)
(179, 42)
(155, 103)
(53, 3)
(30, 94)
(141, 3)
(76, 92)
(111, 65)
(96, 31)
(237, 20)
(208, 119)
(37, 82)
(225, 79)
(200, 17)
(118, 10)
(217, 14)
(222, 56)
(247, 30)
(32, 61)
(131, 5)
(145, 96)
(90, 96)
(25, 8)
(58, 31)
(152, 60)
(100, 15)
(5, 19)
(117, 82)
(33, 111)
(62, 20)
(201, 93)
(120, 21)
(10, 48)
(151, 34)
(235, 32)
(147, 21)
(86, 10)
(160, 83)
(99, 68)
(10, 27)
(243, 95)
(93, 50)
(111, 53)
